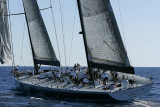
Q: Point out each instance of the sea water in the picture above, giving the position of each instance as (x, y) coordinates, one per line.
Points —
(11, 97)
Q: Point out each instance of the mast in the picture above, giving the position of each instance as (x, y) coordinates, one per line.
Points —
(84, 35)
(35, 65)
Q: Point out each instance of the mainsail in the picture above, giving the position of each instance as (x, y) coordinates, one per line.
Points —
(104, 46)
(5, 43)
(42, 49)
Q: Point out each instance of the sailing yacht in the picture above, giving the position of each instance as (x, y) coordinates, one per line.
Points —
(104, 49)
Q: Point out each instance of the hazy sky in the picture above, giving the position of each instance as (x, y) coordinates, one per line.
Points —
(141, 20)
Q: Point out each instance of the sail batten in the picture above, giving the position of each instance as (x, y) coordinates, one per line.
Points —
(103, 40)
(42, 49)
(5, 43)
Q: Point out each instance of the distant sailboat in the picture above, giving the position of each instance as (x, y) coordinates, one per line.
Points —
(104, 49)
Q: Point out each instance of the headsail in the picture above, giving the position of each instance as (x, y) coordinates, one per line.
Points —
(43, 52)
(5, 43)
(104, 45)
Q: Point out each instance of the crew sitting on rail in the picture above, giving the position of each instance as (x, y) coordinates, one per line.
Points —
(57, 75)
(151, 78)
(98, 73)
(63, 71)
(124, 82)
(115, 76)
(105, 78)
(16, 68)
(131, 82)
(76, 66)
(16, 73)
(68, 71)
(85, 81)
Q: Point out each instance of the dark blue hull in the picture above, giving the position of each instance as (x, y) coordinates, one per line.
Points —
(61, 93)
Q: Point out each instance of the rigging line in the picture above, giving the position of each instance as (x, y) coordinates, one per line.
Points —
(10, 30)
(55, 30)
(14, 14)
(22, 43)
(72, 34)
(121, 21)
(75, 2)
(63, 33)
(46, 8)
(22, 38)
(123, 29)
(29, 47)
(23, 58)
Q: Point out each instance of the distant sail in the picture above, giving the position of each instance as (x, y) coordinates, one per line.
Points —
(5, 43)
(104, 44)
(43, 52)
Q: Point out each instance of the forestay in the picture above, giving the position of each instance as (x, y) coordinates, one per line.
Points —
(5, 43)
(43, 52)
(104, 45)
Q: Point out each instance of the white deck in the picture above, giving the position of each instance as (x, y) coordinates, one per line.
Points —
(53, 84)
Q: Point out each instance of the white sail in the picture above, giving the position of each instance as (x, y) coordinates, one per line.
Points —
(5, 43)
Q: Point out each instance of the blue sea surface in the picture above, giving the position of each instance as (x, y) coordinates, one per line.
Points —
(11, 97)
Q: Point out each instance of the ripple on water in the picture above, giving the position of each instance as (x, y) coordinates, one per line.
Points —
(9, 96)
